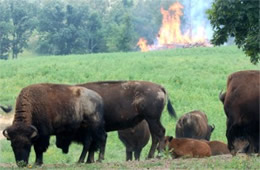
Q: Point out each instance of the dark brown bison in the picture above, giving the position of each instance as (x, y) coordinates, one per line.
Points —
(6, 109)
(135, 139)
(186, 147)
(43, 110)
(217, 147)
(126, 103)
(241, 105)
(194, 125)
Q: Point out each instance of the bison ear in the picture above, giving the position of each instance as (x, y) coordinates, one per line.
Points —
(5, 133)
(35, 132)
(170, 138)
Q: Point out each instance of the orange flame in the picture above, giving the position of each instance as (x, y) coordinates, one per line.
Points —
(142, 43)
(170, 34)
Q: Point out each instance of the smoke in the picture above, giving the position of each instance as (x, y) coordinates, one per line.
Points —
(195, 15)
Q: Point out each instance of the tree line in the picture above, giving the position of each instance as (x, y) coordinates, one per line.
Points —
(55, 27)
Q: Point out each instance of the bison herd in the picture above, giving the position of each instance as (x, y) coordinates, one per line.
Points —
(84, 113)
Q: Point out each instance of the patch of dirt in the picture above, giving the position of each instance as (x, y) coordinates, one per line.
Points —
(5, 120)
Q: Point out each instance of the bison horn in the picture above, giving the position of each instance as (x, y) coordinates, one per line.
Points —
(221, 96)
(212, 127)
(35, 131)
(5, 133)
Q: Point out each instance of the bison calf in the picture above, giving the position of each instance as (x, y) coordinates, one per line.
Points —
(135, 139)
(43, 110)
(217, 147)
(194, 125)
(184, 147)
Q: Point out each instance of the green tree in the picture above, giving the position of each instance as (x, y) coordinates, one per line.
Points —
(239, 19)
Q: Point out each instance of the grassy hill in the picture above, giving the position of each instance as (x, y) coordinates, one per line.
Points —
(193, 77)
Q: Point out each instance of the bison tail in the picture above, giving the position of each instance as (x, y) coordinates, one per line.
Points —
(171, 109)
(6, 109)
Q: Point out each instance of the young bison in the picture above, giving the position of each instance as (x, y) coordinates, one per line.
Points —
(217, 147)
(135, 139)
(185, 147)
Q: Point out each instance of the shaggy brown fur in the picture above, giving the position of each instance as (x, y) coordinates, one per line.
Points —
(241, 105)
(194, 125)
(135, 139)
(126, 103)
(43, 110)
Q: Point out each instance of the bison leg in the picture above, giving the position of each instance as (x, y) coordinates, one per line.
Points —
(129, 156)
(137, 154)
(157, 132)
(40, 146)
(91, 155)
(102, 150)
(86, 146)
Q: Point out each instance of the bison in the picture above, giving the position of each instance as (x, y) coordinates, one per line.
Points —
(186, 147)
(194, 125)
(126, 103)
(6, 109)
(241, 106)
(135, 139)
(217, 147)
(46, 109)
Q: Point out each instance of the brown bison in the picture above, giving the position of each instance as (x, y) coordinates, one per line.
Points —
(186, 147)
(43, 110)
(217, 147)
(6, 109)
(194, 125)
(126, 103)
(135, 139)
(241, 105)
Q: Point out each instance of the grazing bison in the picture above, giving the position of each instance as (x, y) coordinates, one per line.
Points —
(126, 103)
(43, 110)
(186, 147)
(6, 109)
(135, 139)
(194, 125)
(217, 147)
(241, 105)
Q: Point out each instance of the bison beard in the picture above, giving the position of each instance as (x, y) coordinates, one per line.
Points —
(43, 110)
(126, 103)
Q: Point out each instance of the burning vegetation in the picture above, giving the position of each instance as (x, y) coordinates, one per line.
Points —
(170, 34)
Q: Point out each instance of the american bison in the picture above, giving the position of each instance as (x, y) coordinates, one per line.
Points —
(6, 109)
(194, 125)
(186, 147)
(217, 147)
(43, 110)
(126, 103)
(241, 105)
(135, 139)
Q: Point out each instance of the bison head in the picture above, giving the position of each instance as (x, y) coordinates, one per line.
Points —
(21, 137)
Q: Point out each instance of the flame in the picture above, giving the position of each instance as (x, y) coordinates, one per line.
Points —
(142, 43)
(170, 34)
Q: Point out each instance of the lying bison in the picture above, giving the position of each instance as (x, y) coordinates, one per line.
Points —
(43, 110)
(217, 147)
(194, 125)
(6, 109)
(241, 104)
(186, 147)
(126, 103)
(135, 139)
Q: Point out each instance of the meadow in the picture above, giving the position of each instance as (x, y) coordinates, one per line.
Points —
(193, 78)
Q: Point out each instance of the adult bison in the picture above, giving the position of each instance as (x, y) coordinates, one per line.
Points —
(126, 103)
(6, 109)
(194, 125)
(241, 105)
(43, 110)
(135, 139)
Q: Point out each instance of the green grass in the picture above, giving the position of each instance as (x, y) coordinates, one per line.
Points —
(193, 77)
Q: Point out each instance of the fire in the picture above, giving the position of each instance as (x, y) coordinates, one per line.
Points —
(170, 34)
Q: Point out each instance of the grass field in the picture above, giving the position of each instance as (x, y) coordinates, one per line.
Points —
(193, 77)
